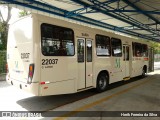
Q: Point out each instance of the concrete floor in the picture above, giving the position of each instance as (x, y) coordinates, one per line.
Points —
(134, 95)
(138, 95)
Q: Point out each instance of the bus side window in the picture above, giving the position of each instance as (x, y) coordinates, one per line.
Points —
(116, 47)
(45, 48)
(89, 50)
(127, 53)
(60, 40)
(133, 48)
(70, 48)
(103, 45)
(124, 53)
(80, 50)
(144, 50)
(138, 49)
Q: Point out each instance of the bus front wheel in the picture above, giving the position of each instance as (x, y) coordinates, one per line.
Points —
(102, 82)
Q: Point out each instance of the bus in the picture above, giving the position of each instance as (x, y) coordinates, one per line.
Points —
(50, 56)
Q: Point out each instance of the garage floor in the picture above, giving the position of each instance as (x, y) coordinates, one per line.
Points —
(137, 94)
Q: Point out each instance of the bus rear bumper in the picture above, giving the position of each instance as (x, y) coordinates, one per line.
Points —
(31, 88)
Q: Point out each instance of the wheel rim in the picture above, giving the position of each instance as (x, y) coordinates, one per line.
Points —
(102, 83)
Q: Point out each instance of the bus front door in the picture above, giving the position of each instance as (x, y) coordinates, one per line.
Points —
(126, 59)
(84, 59)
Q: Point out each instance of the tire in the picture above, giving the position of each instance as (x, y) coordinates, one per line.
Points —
(102, 82)
(143, 72)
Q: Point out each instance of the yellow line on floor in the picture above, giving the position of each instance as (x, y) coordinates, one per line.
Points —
(69, 114)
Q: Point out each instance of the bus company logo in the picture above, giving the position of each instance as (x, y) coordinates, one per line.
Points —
(117, 63)
(85, 34)
(16, 64)
(6, 114)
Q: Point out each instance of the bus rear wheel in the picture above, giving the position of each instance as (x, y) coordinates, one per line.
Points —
(102, 82)
(143, 72)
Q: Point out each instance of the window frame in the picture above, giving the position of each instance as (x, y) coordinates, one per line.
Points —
(109, 45)
(62, 28)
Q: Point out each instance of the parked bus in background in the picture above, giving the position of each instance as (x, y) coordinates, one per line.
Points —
(49, 56)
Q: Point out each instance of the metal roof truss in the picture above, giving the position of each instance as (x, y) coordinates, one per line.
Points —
(97, 6)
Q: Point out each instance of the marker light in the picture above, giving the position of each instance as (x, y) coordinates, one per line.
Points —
(42, 83)
(7, 68)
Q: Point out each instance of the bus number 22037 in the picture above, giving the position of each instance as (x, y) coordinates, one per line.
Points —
(49, 61)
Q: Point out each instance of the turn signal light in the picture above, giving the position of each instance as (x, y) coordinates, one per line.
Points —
(30, 74)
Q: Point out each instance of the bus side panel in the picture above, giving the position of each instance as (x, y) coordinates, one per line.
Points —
(60, 77)
(36, 56)
(58, 72)
(117, 72)
(101, 64)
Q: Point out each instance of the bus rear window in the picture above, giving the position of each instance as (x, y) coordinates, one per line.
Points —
(56, 41)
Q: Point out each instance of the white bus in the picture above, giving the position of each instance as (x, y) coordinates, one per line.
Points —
(49, 56)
